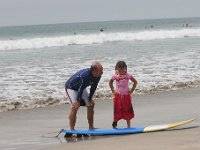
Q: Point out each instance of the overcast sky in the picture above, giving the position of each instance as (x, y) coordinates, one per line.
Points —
(23, 12)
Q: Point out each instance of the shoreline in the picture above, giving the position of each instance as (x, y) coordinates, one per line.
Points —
(25, 129)
(50, 101)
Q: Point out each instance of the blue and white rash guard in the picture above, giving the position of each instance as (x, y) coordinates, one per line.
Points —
(81, 80)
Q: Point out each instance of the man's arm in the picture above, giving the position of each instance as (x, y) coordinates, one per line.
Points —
(93, 89)
(80, 90)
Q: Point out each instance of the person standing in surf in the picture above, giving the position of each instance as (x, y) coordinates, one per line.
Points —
(123, 108)
(75, 88)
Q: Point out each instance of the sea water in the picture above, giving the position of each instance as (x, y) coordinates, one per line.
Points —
(35, 61)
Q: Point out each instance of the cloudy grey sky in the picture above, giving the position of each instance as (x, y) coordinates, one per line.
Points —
(23, 12)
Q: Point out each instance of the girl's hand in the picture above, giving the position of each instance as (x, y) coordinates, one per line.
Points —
(113, 92)
(130, 92)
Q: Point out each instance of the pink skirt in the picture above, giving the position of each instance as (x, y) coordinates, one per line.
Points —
(123, 108)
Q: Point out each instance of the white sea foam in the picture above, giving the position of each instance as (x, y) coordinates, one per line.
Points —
(34, 43)
(40, 86)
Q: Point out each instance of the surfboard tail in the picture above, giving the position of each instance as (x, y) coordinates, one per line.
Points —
(166, 126)
(173, 125)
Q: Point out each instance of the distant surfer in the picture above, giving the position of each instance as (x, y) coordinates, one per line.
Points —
(151, 26)
(186, 25)
(101, 30)
(78, 96)
(123, 108)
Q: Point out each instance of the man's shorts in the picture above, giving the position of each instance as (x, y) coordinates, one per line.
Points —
(72, 95)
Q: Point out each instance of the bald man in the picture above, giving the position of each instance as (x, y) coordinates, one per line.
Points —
(78, 96)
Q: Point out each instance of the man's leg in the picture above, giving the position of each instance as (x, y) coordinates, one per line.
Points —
(90, 116)
(74, 107)
(72, 114)
(72, 118)
(90, 108)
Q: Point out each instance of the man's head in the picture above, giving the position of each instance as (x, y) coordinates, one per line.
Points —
(97, 69)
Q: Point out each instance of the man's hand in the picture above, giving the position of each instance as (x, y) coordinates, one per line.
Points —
(91, 103)
(76, 105)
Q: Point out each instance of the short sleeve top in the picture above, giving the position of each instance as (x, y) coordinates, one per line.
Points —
(122, 83)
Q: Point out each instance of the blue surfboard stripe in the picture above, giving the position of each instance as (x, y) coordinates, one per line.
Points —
(106, 131)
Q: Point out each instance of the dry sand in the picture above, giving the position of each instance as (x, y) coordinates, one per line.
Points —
(25, 129)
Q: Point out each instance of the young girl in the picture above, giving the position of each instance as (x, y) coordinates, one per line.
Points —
(122, 95)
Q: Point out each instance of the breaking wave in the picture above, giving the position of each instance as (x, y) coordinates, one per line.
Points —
(82, 39)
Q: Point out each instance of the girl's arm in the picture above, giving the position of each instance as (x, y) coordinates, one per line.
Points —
(134, 84)
(111, 86)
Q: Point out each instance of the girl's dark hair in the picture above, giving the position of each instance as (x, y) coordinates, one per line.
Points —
(120, 64)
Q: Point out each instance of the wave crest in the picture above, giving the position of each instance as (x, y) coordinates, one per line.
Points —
(81, 39)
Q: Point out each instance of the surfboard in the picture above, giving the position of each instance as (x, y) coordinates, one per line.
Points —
(133, 130)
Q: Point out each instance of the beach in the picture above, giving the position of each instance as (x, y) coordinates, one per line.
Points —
(34, 129)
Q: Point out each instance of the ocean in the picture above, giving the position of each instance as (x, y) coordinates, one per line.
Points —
(35, 61)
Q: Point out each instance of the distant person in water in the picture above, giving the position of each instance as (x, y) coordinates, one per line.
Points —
(123, 108)
(186, 25)
(101, 30)
(75, 88)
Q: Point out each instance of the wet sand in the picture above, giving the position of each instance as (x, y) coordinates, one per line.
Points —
(29, 129)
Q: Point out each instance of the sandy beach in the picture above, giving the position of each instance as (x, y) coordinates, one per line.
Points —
(33, 129)
(41, 49)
